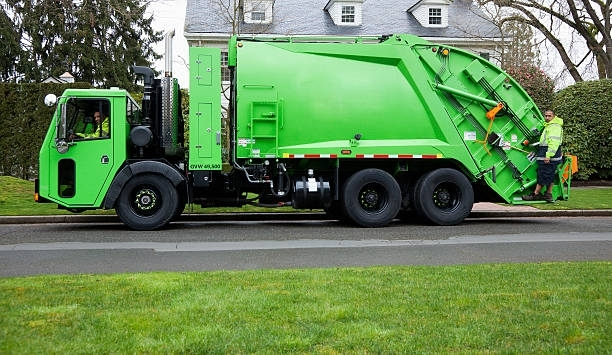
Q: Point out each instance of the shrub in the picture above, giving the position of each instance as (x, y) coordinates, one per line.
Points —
(24, 121)
(586, 110)
(537, 84)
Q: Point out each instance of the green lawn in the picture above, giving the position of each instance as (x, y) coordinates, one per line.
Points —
(504, 308)
(16, 199)
(583, 198)
(501, 308)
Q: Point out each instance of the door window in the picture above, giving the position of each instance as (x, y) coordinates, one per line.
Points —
(87, 119)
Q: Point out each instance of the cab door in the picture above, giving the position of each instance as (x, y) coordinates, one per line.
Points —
(83, 156)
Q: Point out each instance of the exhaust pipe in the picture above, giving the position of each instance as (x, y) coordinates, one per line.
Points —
(168, 54)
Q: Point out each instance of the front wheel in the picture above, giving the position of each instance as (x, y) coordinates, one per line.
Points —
(147, 202)
(444, 197)
(372, 198)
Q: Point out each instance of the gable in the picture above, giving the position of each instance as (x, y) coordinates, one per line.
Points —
(258, 11)
(345, 12)
(431, 13)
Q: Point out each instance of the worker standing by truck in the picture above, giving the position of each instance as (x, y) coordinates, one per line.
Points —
(548, 157)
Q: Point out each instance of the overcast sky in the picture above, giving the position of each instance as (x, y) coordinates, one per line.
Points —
(169, 15)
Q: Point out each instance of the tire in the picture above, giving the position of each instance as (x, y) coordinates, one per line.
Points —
(180, 208)
(415, 199)
(371, 198)
(444, 197)
(147, 202)
(182, 202)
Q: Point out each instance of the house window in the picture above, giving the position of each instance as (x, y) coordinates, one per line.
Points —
(348, 14)
(435, 16)
(259, 16)
(225, 72)
(257, 11)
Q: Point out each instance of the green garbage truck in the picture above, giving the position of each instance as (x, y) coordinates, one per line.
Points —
(368, 129)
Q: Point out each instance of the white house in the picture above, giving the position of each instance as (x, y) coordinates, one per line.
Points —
(453, 22)
(65, 78)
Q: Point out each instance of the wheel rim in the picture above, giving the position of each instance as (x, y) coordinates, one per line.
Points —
(446, 196)
(146, 201)
(373, 198)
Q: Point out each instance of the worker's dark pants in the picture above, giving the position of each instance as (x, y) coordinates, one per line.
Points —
(546, 172)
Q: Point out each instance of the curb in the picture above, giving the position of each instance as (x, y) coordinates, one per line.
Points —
(296, 216)
(541, 213)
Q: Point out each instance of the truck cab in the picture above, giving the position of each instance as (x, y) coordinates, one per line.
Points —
(78, 159)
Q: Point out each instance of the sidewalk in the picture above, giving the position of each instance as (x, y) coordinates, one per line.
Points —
(480, 210)
(494, 210)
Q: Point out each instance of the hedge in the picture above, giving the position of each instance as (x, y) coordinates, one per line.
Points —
(538, 85)
(24, 121)
(586, 109)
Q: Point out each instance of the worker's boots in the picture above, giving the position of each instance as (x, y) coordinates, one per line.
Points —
(532, 197)
(547, 197)
(537, 197)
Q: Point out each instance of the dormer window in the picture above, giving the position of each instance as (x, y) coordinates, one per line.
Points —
(258, 11)
(345, 12)
(431, 13)
(435, 16)
(348, 14)
(258, 16)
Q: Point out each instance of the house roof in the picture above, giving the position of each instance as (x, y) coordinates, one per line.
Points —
(308, 17)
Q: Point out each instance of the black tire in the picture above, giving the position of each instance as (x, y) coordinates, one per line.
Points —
(415, 198)
(147, 202)
(371, 198)
(182, 202)
(180, 208)
(444, 197)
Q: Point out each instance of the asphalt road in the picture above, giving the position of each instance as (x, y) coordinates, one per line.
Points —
(68, 248)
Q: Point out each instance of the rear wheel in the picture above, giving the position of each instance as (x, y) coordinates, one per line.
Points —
(180, 206)
(371, 198)
(147, 202)
(444, 197)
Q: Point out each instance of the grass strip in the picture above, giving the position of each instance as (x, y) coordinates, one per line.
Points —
(584, 198)
(16, 199)
(498, 308)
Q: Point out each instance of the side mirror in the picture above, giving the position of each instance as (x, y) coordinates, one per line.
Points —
(50, 100)
(61, 146)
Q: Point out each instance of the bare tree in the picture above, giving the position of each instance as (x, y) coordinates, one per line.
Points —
(514, 43)
(522, 49)
(589, 20)
(230, 12)
(237, 16)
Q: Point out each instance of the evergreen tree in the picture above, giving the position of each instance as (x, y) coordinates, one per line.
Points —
(10, 50)
(97, 41)
(521, 50)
